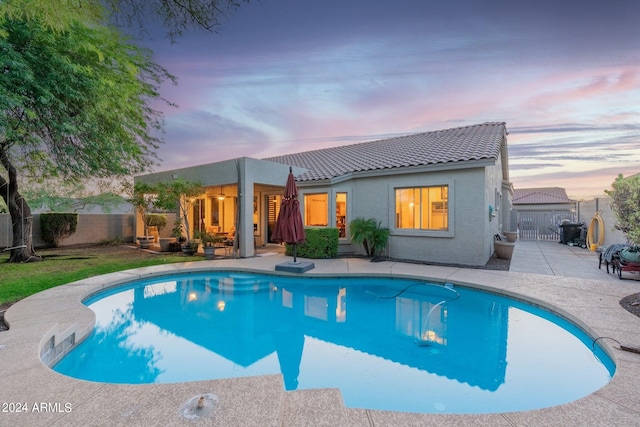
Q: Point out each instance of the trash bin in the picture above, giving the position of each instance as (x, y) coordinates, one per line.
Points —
(571, 233)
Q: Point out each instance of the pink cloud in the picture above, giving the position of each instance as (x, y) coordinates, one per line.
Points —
(560, 92)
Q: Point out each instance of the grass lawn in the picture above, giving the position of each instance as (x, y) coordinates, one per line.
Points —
(64, 265)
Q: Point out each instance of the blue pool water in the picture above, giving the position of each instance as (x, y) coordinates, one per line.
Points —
(388, 344)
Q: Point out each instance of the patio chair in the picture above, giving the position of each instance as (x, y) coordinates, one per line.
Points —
(611, 255)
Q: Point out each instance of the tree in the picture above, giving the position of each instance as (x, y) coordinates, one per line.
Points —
(74, 93)
(143, 198)
(176, 15)
(178, 195)
(57, 15)
(73, 104)
(56, 195)
(625, 204)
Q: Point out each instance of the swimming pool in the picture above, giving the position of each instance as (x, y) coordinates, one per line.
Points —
(393, 344)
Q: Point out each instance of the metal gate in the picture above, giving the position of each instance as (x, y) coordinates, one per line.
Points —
(542, 225)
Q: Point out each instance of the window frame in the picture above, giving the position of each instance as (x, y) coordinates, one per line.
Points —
(346, 213)
(395, 230)
(305, 206)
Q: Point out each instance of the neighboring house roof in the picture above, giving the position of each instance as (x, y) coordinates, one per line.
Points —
(477, 142)
(540, 196)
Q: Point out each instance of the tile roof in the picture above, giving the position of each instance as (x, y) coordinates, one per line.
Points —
(540, 196)
(476, 142)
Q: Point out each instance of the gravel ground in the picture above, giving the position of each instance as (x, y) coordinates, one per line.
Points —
(631, 303)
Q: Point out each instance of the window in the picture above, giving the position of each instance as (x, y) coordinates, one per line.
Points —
(423, 208)
(316, 209)
(223, 214)
(215, 212)
(198, 215)
(341, 214)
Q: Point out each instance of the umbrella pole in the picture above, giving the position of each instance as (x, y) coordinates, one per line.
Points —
(295, 251)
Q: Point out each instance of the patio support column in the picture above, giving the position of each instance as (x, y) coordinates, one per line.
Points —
(245, 204)
(507, 194)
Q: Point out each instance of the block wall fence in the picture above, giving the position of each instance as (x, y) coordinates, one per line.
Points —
(92, 228)
(587, 209)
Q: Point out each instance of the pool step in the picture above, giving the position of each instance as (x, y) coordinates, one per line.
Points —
(319, 407)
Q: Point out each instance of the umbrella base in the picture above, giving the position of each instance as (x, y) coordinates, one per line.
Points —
(295, 267)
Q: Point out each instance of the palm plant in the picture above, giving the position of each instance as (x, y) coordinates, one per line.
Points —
(370, 234)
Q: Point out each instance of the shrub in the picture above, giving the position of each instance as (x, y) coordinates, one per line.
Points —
(177, 229)
(319, 243)
(57, 226)
(207, 238)
(625, 204)
(369, 234)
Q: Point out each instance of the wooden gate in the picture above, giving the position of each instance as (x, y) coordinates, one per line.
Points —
(542, 225)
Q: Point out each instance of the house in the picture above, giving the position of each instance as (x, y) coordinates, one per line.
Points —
(442, 194)
(538, 212)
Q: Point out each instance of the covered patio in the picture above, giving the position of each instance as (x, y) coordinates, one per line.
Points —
(242, 197)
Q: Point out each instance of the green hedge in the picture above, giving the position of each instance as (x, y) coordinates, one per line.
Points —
(56, 226)
(319, 243)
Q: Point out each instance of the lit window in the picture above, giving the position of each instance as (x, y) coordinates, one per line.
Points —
(341, 214)
(316, 209)
(424, 208)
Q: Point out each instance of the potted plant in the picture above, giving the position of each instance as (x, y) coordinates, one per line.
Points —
(503, 250)
(155, 222)
(511, 236)
(190, 247)
(145, 241)
(208, 243)
(177, 239)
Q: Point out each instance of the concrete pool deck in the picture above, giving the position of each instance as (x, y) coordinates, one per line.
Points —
(564, 278)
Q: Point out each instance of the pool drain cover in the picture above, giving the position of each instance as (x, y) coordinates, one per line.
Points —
(200, 406)
(439, 406)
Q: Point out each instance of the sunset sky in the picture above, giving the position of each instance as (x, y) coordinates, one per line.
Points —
(284, 76)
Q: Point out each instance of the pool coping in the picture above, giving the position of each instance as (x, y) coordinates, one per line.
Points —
(50, 398)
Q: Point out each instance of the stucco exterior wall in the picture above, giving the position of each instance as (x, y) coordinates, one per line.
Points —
(469, 239)
(473, 186)
(495, 195)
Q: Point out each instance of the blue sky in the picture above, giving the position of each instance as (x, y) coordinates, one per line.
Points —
(283, 76)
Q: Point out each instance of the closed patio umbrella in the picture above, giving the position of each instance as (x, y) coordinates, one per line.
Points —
(289, 227)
